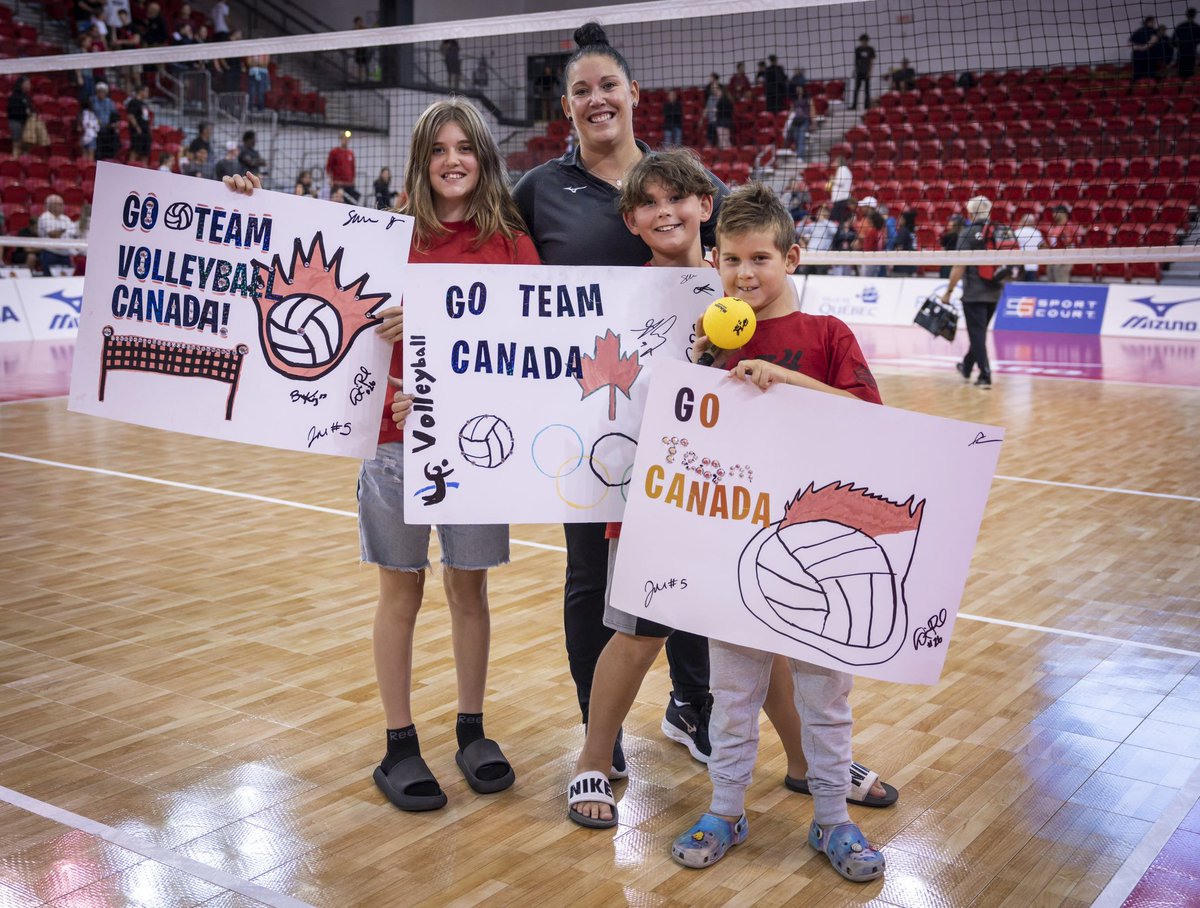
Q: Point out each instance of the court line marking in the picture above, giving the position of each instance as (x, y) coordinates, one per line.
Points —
(1136, 866)
(129, 842)
(249, 496)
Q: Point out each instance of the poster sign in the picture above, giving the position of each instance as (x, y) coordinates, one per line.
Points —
(246, 318)
(529, 384)
(799, 522)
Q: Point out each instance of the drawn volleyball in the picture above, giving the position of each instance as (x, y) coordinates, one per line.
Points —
(831, 573)
(305, 330)
(485, 441)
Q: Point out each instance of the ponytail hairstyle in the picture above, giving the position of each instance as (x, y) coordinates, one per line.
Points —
(593, 41)
(491, 207)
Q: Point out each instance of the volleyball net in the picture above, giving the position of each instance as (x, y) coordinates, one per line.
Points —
(1074, 131)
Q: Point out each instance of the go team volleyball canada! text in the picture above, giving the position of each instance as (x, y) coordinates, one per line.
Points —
(139, 265)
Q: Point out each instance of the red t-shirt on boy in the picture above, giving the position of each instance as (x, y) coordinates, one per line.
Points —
(451, 249)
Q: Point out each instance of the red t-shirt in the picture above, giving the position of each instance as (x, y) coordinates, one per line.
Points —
(340, 166)
(819, 346)
(454, 248)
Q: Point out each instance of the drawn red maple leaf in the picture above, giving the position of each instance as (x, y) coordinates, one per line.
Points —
(607, 368)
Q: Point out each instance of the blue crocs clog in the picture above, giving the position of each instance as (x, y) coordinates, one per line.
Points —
(850, 854)
(706, 842)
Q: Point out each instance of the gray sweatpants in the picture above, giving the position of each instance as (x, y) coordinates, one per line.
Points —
(739, 678)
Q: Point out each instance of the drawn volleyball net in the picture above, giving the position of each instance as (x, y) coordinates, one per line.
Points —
(1038, 112)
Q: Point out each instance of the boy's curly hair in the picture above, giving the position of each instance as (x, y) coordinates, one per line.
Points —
(678, 170)
(755, 207)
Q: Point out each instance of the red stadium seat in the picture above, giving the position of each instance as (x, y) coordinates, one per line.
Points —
(1113, 168)
(1144, 211)
(1083, 213)
(1145, 270)
(1158, 235)
(1056, 169)
(1173, 211)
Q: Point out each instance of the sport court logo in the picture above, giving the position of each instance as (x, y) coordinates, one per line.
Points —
(1042, 307)
(1022, 306)
(1163, 319)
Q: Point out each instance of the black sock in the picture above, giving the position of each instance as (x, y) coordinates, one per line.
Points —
(469, 729)
(401, 743)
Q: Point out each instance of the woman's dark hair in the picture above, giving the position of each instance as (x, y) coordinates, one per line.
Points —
(909, 218)
(593, 41)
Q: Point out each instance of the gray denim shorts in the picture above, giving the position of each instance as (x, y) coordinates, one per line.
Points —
(391, 543)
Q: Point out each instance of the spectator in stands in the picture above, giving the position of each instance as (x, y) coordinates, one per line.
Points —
(672, 114)
(903, 77)
(232, 69)
(798, 199)
(1186, 39)
(155, 32)
(979, 297)
(338, 195)
(481, 74)
(739, 83)
(20, 105)
(872, 233)
(93, 40)
(966, 80)
(1060, 235)
(362, 55)
(166, 162)
(203, 139)
(305, 185)
(228, 166)
(199, 165)
(34, 134)
(184, 36)
(864, 65)
(839, 187)
(249, 158)
(102, 105)
(258, 72)
(547, 90)
(890, 223)
(84, 11)
(1029, 237)
(89, 129)
(339, 167)
(1142, 43)
(760, 74)
(137, 115)
(53, 223)
(845, 239)
(108, 139)
(125, 36)
(949, 239)
(817, 235)
(1162, 54)
(905, 240)
(797, 82)
(385, 196)
(220, 20)
(799, 121)
(452, 57)
(718, 116)
(775, 86)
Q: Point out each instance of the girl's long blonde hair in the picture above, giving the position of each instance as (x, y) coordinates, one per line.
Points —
(491, 207)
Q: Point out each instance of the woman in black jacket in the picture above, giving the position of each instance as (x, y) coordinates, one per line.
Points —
(20, 105)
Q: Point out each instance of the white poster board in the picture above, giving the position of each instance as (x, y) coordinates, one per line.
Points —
(799, 522)
(530, 383)
(246, 318)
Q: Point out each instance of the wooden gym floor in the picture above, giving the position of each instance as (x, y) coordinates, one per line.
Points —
(188, 711)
